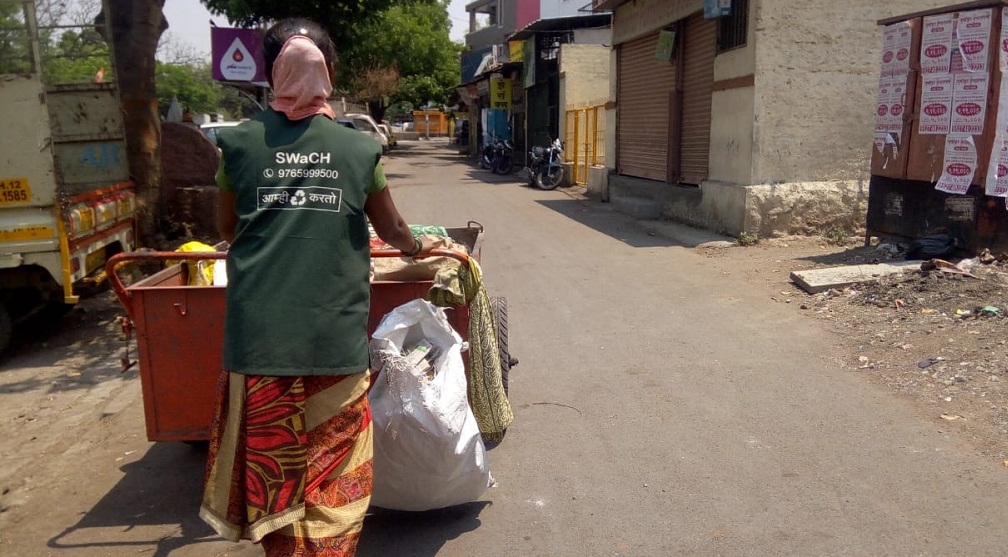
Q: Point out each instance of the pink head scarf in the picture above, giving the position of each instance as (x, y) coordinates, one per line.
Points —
(301, 80)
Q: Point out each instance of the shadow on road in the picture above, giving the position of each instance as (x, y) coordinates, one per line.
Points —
(164, 487)
(87, 340)
(416, 534)
(621, 227)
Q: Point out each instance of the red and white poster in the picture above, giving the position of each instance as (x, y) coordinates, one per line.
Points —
(888, 49)
(936, 44)
(904, 40)
(897, 97)
(969, 103)
(1002, 114)
(997, 171)
(973, 31)
(936, 105)
(960, 165)
(882, 104)
(1004, 42)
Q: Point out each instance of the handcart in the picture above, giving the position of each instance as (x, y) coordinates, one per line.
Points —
(179, 330)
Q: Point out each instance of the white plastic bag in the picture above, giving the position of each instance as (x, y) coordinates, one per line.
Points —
(428, 453)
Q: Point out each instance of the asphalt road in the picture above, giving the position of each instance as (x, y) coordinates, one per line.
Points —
(662, 408)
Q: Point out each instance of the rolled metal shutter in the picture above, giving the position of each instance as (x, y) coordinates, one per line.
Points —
(700, 40)
(642, 112)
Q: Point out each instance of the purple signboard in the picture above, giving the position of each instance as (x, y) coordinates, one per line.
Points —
(237, 55)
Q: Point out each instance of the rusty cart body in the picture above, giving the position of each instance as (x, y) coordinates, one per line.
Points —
(179, 331)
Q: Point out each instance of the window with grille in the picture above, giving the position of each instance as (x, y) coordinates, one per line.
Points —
(732, 29)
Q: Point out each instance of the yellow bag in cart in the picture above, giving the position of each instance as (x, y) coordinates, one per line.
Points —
(201, 273)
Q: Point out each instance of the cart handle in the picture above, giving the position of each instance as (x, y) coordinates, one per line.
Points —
(459, 256)
(120, 259)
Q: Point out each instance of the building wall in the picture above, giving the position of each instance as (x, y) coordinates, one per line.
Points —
(584, 76)
(526, 12)
(732, 123)
(495, 35)
(817, 64)
(561, 8)
(600, 35)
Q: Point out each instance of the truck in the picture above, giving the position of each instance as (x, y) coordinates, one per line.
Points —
(67, 203)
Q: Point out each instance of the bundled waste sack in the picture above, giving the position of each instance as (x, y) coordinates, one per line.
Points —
(428, 453)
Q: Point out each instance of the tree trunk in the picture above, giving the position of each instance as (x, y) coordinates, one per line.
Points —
(377, 110)
(137, 26)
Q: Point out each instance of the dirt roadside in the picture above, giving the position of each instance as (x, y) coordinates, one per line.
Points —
(935, 338)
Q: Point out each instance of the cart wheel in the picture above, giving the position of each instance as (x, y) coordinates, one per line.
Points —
(499, 306)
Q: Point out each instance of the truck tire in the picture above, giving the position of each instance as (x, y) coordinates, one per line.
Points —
(6, 329)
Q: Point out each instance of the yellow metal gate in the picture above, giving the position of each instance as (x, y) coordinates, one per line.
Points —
(584, 140)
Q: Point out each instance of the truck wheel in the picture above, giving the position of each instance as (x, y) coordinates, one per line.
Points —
(5, 328)
(499, 307)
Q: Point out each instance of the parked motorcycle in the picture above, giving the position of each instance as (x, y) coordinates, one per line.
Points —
(496, 156)
(545, 169)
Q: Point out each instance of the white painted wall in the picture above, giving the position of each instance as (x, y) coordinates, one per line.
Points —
(601, 35)
(561, 8)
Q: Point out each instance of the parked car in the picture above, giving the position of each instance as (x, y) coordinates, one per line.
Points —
(210, 129)
(346, 122)
(366, 124)
(387, 130)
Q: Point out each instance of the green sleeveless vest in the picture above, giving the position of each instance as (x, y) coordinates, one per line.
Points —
(298, 294)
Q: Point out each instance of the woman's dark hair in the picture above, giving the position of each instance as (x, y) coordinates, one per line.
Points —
(284, 29)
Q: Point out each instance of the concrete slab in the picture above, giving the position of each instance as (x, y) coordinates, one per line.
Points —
(814, 281)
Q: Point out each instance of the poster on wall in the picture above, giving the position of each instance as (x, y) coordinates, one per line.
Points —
(1004, 42)
(969, 104)
(904, 41)
(936, 105)
(888, 50)
(882, 103)
(666, 45)
(960, 165)
(897, 96)
(973, 30)
(997, 171)
(936, 41)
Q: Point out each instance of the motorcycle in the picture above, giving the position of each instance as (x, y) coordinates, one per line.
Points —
(545, 169)
(496, 156)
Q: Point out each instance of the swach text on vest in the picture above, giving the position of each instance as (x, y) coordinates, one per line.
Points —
(303, 158)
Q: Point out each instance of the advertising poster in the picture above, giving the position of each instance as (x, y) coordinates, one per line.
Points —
(897, 97)
(997, 171)
(237, 55)
(936, 44)
(904, 41)
(1004, 42)
(882, 103)
(936, 105)
(973, 31)
(969, 104)
(960, 165)
(888, 49)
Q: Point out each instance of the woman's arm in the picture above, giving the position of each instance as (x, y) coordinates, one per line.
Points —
(389, 224)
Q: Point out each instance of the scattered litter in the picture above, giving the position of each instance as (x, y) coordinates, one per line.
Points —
(898, 303)
(929, 362)
(950, 417)
(990, 311)
(945, 267)
(929, 310)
